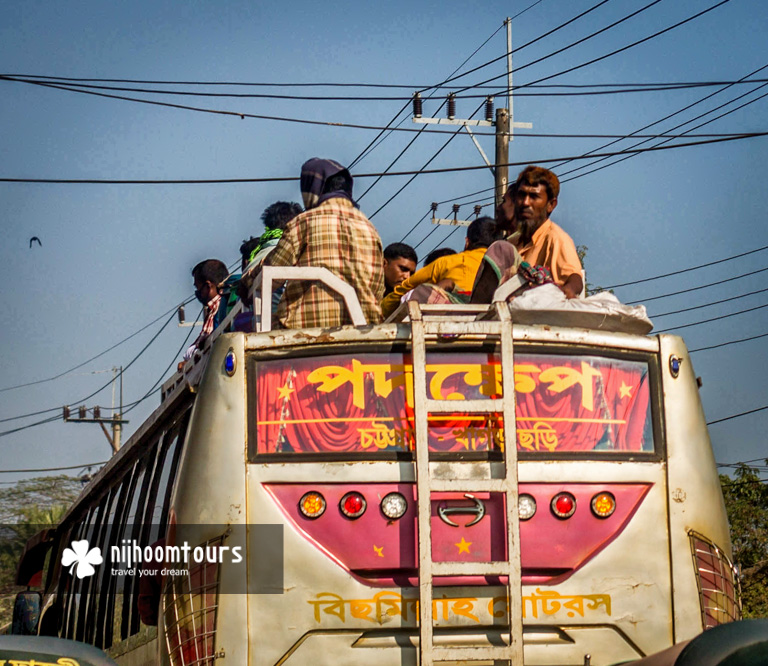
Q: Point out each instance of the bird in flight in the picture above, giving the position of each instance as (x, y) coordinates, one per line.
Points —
(33, 239)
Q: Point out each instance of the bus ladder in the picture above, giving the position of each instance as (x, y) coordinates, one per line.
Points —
(427, 482)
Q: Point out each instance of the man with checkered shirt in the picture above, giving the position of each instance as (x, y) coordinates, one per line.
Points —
(332, 233)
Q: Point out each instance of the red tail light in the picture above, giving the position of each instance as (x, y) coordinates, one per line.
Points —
(563, 505)
(353, 505)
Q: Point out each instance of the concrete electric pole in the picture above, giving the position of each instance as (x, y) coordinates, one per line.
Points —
(504, 123)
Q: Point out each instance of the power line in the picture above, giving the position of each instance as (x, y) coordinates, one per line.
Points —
(736, 416)
(706, 321)
(56, 418)
(687, 270)
(408, 86)
(217, 181)
(526, 45)
(377, 128)
(730, 342)
(703, 286)
(706, 305)
(629, 46)
(51, 469)
(410, 231)
(711, 120)
(93, 358)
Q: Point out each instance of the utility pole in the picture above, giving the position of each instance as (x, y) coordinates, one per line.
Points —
(504, 124)
(116, 420)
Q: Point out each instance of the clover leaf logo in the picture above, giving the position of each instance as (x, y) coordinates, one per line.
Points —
(81, 558)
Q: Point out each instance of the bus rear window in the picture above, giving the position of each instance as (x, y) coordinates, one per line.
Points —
(362, 403)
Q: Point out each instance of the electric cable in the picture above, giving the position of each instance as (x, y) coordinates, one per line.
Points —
(687, 270)
(612, 53)
(706, 321)
(526, 45)
(51, 469)
(56, 418)
(736, 416)
(703, 286)
(711, 120)
(371, 145)
(426, 164)
(706, 305)
(416, 225)
(730, 342)
(93, 358)
(215, 181)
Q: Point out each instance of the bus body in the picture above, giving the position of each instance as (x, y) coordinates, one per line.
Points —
(623, 544)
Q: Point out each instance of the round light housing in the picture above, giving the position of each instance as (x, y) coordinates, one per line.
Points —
(526, 506)
(603, 504)
(394, 506)
(230, 362)
(312, 504)
(675, 363)
(353, 505)
(563, 505)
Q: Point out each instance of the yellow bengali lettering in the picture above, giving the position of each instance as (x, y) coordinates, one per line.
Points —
(562, 378)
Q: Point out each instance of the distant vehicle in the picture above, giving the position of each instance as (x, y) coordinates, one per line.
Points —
(404, 530)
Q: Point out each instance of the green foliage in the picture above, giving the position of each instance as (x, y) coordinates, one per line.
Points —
(590, 288)
(746, 501)
(25, 508)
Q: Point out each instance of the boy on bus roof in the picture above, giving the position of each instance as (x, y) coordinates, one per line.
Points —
(449, 279)
(538, 241)
(400, 261)
(213, 290)
(332, 233)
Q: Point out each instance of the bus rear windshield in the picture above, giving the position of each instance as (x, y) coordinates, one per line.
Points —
(362, 403)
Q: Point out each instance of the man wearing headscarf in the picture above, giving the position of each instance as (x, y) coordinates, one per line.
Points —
(332, 233)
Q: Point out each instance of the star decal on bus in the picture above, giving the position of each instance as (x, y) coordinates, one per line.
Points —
(284, 392)
(379, 550)
(463, 546)
(625, 391)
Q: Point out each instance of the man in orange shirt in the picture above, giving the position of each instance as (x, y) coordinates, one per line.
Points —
(538, 241)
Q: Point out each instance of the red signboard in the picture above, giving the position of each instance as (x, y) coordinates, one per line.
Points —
(358, 403)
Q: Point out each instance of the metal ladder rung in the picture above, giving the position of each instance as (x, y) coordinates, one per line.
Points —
(470, 568)
(469, 485)
(482, 406)
(501, 652)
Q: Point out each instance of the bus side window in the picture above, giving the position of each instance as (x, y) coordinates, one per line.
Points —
(88, 586)
(132, 530)
(174, 444)
(70, 580)
(106, 599)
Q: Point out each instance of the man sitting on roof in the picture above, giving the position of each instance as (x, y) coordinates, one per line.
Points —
(448, 279)
(538, 241)
(332, 233)
(213, 290)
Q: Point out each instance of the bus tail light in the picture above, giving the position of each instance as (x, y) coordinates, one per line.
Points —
(353, 505)
(394, 506)
(718, 582)
(312, 504)
(563, 505)
(189, 611)
(526, 506)
(603, 504)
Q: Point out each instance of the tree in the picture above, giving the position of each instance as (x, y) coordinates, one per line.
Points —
(25, 508)
(746, 501)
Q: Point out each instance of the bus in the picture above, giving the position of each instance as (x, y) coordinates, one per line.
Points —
(354, 487)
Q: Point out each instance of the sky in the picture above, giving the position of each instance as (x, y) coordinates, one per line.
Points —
(117, 257)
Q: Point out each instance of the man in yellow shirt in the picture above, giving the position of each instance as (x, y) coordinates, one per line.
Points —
(538, 241)
(448, 279)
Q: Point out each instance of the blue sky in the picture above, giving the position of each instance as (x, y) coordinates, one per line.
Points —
(115, 257)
